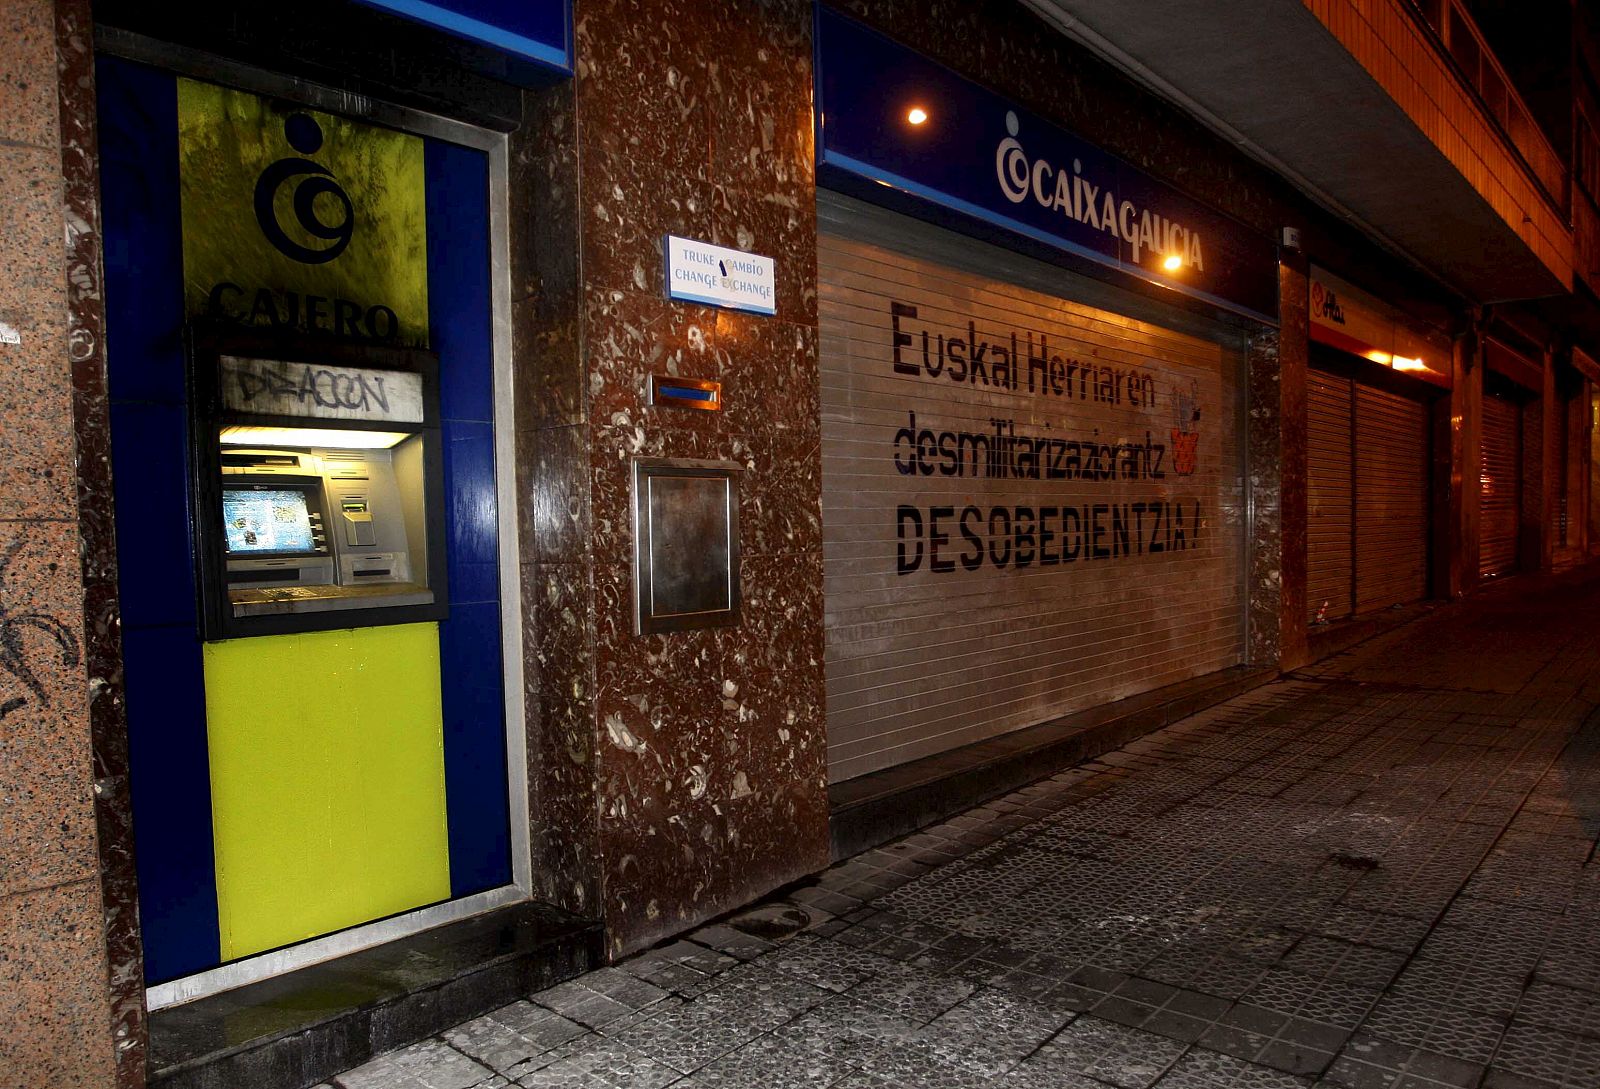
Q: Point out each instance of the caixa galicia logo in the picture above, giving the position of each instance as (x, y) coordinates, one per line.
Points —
(1325, 304)
(310, 180)
(1068, 192)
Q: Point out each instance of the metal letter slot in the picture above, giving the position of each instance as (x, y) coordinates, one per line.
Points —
(686, 393)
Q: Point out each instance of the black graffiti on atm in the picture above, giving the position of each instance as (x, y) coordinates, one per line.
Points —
(1010, 362)
(290, 311)
(1047, 536)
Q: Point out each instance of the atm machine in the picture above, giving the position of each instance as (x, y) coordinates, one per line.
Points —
(318, 487)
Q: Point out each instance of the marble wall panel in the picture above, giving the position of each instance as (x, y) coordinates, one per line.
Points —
(47, 826)
(558, 613)
(27, 75)
(695, 119)
(36, 443)
(1294, 353)
(546, 284)
(56, 993)
(74, 38)
(1264, 444)
(553, 501)
(52, 1004)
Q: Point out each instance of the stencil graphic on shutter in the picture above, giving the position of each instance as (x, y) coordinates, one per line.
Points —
(1500, 500)
(1007, 541)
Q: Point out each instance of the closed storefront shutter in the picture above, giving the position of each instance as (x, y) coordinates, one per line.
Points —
(1500, 500)
(1391, 457)
(1330, 510)
(1031, 505)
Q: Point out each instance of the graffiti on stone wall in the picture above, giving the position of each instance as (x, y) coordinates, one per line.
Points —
(15, 647)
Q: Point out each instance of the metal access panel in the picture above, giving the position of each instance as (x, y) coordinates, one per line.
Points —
(686, 544)
(1391, 459)
(1499, 486)
(1330, 486)
(1031, 505)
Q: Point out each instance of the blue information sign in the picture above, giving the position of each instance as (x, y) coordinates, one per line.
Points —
(889, 116)
(537, 31)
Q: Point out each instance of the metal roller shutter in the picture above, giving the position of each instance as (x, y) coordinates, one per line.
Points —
(1500, 500)
(981, 574)
(1391, 460)
(1329, 507)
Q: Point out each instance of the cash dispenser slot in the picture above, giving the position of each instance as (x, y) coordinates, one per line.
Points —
(319, 488)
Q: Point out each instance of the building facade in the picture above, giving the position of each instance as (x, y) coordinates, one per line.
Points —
(491, 487)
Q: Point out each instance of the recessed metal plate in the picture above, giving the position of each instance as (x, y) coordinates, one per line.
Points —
(686, 544)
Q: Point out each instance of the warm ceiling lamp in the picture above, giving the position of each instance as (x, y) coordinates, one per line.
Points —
(917, 115)
(349, 439)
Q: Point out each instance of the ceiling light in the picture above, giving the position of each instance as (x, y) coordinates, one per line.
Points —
(349, 439)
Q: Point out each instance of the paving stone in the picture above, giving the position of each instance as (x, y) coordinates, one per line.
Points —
(1358, 878)
(608, 1065)
(431, 1064)
(512, 1034)
(1203, 1069)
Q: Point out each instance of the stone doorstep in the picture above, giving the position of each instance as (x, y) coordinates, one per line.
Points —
(298, 1029)
(873, 809)
(1326, 640)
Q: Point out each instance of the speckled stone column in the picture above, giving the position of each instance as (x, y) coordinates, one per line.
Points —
(1294, 357)
(678, 776)
(1264, 441)
(1454, 491)
(54, 995)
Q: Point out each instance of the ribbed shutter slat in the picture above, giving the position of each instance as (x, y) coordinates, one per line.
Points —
(1499, 486)
(922, 661)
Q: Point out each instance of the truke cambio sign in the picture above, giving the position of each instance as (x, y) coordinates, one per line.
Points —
(996, 165)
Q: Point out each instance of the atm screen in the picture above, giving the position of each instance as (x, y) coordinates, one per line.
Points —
(263, 520)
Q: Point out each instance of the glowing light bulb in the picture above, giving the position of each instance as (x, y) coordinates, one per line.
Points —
(1172, 262)
(917, 115)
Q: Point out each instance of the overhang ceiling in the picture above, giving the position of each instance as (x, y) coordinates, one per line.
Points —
(1269, 77)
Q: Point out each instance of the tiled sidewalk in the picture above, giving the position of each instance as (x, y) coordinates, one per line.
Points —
(1375, 876)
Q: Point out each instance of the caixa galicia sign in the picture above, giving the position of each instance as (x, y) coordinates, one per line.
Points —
(911, 128)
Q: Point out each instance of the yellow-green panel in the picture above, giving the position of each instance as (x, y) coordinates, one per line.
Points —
(327, 781)
(294, 219)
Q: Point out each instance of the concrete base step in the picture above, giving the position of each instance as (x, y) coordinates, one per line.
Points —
(297, 1029)
(885, 805)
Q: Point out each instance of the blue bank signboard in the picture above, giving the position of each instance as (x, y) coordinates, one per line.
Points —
(889, 116)
(537, 33)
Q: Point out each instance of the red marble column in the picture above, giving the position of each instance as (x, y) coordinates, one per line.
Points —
(678, 775)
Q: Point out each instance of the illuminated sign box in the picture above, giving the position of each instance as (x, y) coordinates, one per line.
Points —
(1345, 317)
(899, 129)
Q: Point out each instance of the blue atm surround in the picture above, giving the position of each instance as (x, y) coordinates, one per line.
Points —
(161, 641)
